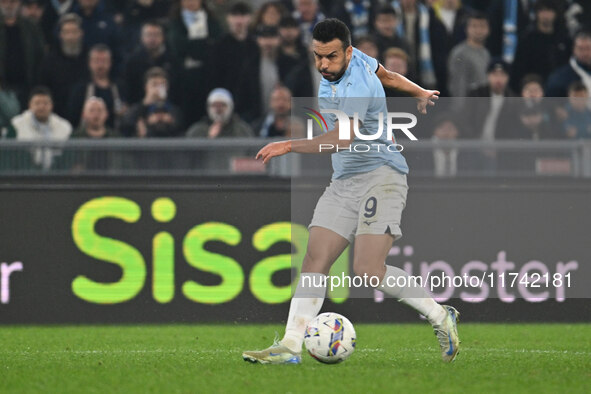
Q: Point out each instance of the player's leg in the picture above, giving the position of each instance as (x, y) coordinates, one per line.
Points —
(380, 213)
(370, 253)
(324, 247)
(369, 256)
(331, 230)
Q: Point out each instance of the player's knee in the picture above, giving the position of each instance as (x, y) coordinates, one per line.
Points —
(314, 262)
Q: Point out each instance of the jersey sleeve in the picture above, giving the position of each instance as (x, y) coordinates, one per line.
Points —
(374, 64)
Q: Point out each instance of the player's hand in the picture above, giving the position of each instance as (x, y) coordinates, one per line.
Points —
(214, 130)
(427, 98)
(274, 149)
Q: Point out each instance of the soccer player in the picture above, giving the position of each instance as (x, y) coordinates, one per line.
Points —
(365, 199)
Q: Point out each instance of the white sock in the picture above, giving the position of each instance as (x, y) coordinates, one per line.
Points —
(414, 296)
(305, 305)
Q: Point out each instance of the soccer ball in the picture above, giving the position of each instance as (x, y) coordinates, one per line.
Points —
(330, 338)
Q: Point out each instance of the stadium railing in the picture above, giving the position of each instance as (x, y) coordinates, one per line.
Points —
(224, 157)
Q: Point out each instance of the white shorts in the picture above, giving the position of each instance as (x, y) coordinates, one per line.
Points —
(368, 203)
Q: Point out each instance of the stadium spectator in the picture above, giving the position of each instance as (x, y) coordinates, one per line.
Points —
(491, 115)
(578, 68)
(578, 16)
(428, 45)
(385, 25)
(39, 123)
(64, 66)
(152, 52)
(396, 60)
(291, 40)
(221, 121)
(308, 14)
(542, 48)
(160, 120)
(478, 5)
(100, 28)
(269, 14)
(99, 84)
(533, 125)
(532, 91)
(93, 127)
(134, 13)
(94, 121)
(21, 50)
(33, 10)
(9, 108)
(577, 124)
(155, 115)
(238, 43)
(260, 76)
(445, 160)
(367, 45)
(276, 123)
(220, 9)
(533, 115)
(494, 113)
(356, 14)
(190, 37)
(116, 9)
(469, 60)
(304, 78)
(53, 12)
(508, 20)
(454, 16)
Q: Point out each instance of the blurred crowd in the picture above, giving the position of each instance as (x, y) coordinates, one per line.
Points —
(225, 68)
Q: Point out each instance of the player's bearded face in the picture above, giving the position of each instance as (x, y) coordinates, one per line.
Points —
(331, 59)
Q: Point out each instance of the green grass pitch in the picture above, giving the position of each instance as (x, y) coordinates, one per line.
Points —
(404, 358)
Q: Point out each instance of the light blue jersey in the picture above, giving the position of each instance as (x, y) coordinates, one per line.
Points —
(360, 90)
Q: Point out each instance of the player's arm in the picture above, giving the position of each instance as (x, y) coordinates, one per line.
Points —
(325, 143)
(399, 82)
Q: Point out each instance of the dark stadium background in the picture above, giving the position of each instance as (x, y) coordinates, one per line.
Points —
(534, 211)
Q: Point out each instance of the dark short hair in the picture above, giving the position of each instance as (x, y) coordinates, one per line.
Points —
(70, 18)
(288, 21)
(155, 72)
(531, 78)
(100, 48)
(365, 39)
(154, 23)
(546, 5)
(40, 91)
(395, 52)
(477, 15)
(498, 64)
(332, 28)
(577, 86)
(386, 10)
(240, 8)
(40, 3)
(583, 34)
